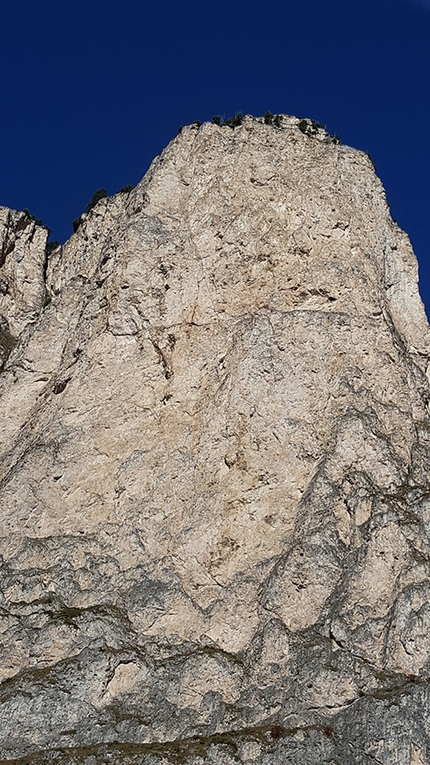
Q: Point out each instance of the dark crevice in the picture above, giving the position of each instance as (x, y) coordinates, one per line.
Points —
(60, 386)
(168, 372)
(7, 343)
(177, 751)
(338, 642)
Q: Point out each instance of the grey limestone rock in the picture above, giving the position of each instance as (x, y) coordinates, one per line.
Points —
(22, 263)
(215, 453)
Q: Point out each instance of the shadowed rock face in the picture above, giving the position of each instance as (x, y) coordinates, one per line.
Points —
(215, 487)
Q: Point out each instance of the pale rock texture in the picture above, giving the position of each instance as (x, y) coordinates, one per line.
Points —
(215, 469)
(22, 264)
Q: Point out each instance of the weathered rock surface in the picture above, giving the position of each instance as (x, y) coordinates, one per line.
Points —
(215, 469)
(22, 263)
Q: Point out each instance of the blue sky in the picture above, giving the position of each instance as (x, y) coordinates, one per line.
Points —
(91, 90)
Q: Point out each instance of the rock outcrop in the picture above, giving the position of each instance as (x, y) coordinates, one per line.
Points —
(215, 468)
(22, 264)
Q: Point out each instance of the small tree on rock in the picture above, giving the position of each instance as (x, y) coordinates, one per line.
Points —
(99, 194)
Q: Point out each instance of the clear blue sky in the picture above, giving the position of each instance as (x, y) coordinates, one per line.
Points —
(91, 90)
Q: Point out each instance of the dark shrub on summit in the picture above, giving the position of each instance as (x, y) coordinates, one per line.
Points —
(51, 246)
(99, 194)
(303, 126)
(37, 221)
(235, 121)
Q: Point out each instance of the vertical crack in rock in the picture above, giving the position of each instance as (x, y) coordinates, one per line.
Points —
(214, 466)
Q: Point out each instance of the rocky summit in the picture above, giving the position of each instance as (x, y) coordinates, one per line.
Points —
(215, 450)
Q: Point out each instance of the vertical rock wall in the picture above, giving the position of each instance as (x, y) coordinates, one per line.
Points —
(215, 488)
(22, 261)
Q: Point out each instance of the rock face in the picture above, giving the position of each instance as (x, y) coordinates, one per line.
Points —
(22, 263)
(22, 275)
(215, 488)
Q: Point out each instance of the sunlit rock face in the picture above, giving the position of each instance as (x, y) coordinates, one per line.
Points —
(22, 275)
(215, 487)
(22, 262)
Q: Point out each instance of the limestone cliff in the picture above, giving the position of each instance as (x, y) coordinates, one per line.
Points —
(22, 284)
(215, 487)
